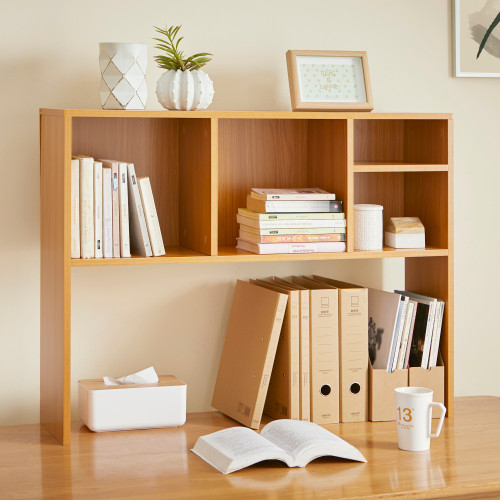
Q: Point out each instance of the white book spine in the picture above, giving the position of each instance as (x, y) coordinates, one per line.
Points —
(285, 224)
(274, 248)
(428, 335)
(116, 209)
(406, 333)
(124, 214)
(87, 208)
(436, 335)
(107, 213)
(151, 216)
(139, 238)
(98, 209)
(401, 324)
(75, 209)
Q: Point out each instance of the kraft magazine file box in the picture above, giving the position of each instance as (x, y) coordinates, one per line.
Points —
(247, 359)
(353, 348)
(324, 350)
(382, 399)
(282, 399)
(132, 406)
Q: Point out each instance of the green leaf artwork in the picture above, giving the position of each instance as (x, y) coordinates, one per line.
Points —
(493, 25)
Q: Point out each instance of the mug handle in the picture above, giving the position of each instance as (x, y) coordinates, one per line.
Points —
(441, 419)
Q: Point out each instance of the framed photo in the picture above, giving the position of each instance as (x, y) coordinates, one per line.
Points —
(325, 80)
(476, 36)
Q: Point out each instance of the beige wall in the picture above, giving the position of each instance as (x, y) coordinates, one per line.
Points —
(174, 316)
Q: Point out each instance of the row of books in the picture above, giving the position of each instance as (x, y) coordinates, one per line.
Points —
(404, 329)
(295, 348)
(113, 212)
(291, 221)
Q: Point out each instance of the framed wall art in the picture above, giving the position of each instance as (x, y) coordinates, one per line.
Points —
(324, 80)
(476, 34)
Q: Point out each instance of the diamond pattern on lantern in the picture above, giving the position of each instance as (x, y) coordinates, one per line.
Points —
(112, 75)
(142, 93)
(134, 103)
(134, 76)
(124, 92)
(123, 60)
(104, 92)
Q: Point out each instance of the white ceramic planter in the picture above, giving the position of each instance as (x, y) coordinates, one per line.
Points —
(123, 69)
(368, 223)
(185, 90)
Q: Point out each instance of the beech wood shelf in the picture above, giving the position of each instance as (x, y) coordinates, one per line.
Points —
(203, 164)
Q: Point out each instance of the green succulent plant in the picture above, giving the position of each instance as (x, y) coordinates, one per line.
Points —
(174, 58)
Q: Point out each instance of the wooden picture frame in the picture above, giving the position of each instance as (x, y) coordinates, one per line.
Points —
(329, 80)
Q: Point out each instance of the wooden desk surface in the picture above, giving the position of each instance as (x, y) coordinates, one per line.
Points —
(464, 462)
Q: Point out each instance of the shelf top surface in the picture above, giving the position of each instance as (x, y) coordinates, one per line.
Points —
(103, 113)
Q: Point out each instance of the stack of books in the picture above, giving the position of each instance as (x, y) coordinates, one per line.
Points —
(404, 329)
(113, 212)
(291, 221)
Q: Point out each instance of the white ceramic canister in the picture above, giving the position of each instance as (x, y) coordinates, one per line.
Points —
(368, 227)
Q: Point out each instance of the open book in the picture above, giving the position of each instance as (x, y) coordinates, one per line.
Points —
(294, 442)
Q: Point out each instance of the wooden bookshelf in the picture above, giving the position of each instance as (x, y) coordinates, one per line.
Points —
(203, 164)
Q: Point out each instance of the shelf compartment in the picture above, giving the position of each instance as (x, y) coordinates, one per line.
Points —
(277, 153)
(409, 194)
(175, 153)
(401, 142)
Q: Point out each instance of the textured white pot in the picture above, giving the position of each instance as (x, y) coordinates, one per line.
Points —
(123, 70)
(185, 90)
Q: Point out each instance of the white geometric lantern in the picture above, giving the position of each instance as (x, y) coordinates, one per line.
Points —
(123, 70)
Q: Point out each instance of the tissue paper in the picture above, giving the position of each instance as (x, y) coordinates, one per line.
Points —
(147, 376)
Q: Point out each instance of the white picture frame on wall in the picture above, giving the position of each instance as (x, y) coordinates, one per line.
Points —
(476, 38)
(326, 80)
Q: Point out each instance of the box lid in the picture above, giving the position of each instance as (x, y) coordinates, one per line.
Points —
(97, 384)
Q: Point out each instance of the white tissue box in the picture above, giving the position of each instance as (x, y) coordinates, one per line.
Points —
(132, 406)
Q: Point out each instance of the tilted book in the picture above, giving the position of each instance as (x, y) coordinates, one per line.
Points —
(291, 194)
(293, 442)
(244, 212)
(139, 237)
(274, 248)
(75, 208)
(248, 353)
(290, 223)
(264, 206)
(152, 222)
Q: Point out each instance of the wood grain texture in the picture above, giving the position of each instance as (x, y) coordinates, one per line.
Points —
(464, 462)
(55, 285)
(195, 185)
(426, 141)
(152, 145)
(397, 167)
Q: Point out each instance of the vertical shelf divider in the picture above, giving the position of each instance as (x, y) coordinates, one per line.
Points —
(214, 186)
(349, 202)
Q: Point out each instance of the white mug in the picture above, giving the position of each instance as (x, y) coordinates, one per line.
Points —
(414, 417)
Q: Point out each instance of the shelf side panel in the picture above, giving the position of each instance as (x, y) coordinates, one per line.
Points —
(426, 197)
(433, 276)
(195, 180)
(152, 145)
(263, 153)
(54, 280)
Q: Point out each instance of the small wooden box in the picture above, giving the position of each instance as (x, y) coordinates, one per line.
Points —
(405, 232)
(132, 406)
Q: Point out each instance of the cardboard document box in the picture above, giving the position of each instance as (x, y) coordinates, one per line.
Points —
(432, 378)
(382, 399)
(353, 348)
(132, 406)
(323, 349)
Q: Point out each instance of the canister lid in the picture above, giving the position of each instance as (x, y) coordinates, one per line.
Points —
(368, 207)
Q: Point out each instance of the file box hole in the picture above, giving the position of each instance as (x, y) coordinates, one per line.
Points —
(355, 388)
(325, 390)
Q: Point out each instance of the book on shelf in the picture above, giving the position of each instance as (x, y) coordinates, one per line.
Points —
(247, 358)
(151, 216)
(384, 313)
(124, 210)
(295, 231)
(289, 238)
(275, 248)
(115, 200)
(264, 206)
(406, 336)
(431, 317)
(291, 223)
(139, 237)
(398, 334)
(87, 246)
(291, 194)
(107, 213)
(98, 252)
(245, 212)
(75, 208)
(293, 442)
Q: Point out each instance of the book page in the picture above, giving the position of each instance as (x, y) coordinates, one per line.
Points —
(235, 448)
(305, 441)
